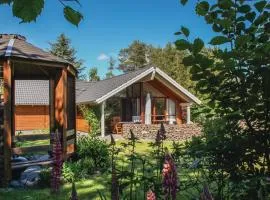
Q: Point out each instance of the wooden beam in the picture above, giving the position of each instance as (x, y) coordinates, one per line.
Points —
(61, 107)
(8, 119)
(39, 63)
(52, 109)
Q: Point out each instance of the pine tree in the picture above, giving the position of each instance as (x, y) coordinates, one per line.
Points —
(133, 57)
(111, 67)
(93, 74)
(63, 49)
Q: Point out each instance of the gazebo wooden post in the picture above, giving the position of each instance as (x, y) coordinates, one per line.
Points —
(52, 108)
(61, 107)
(8, 118)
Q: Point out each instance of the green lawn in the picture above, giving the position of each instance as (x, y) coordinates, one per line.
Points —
(27, 143)
(87, 189)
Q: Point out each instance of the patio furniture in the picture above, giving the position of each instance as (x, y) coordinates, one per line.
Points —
(136, 119)
(116, 125)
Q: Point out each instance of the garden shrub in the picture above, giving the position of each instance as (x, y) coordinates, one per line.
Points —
(92, 115)
(96, 149)
(92, 156)
(45, 178)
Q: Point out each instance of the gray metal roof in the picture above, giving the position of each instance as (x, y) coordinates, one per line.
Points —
(100, 88)
(31, 92)
(16, 46)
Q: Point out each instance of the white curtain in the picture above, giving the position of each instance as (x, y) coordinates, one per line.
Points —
(148, 109)
(171, 111)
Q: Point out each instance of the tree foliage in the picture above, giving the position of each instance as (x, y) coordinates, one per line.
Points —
(93, 74)
(235, 81)
(133, 57)
(168, 59)
(29, 10)
(63, 49)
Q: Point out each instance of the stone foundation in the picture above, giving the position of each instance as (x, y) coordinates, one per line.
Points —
(173, 132)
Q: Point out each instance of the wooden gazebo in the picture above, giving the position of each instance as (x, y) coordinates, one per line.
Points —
(20, 60)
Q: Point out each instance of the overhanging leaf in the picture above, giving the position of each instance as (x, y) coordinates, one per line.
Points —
(241, 40)
(182, 44)
(225, 4)
(244, 9)
(183, 2)
(260, 5)
(27, 10)
(198, 45)
(218, 40)
(188, 61)
(202, 8)
(185, 31)
(73, 16)
(5, 1)
(251, 16)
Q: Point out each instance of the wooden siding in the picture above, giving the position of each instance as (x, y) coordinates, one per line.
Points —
(82, 124)
(31, 117)
(37, 118)
(169, 94)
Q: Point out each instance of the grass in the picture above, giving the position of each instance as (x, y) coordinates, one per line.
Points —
(87, 189)
(27, 143)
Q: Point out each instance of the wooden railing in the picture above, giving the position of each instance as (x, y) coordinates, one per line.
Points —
(156, 119)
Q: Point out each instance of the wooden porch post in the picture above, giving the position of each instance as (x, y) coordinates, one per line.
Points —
(8, 119)
(188, 114)
(178, 113)
(60, 102)
(142, 104)
(102, 120)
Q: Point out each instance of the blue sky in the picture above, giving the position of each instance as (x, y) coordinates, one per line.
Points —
(109, 26)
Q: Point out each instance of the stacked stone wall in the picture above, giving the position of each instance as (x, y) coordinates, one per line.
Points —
(173, 132)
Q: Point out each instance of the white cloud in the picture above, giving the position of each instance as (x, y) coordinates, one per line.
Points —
(102, 57)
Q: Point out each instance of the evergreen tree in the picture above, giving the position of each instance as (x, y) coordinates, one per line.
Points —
(111, 67)
(133, 57)
(168, 59)
(63, 49)
(93, 74)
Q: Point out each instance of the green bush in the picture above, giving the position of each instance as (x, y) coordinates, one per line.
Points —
(92, 116)
(45, 178)
(96, 149)
(93, 155)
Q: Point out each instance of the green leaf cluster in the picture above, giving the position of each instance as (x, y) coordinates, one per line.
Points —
(29, 10)
(233, 76)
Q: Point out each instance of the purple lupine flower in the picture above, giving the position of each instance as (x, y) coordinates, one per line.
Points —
(74, 195)
(57, 163)
(150, 195)
(170, 180)
(205, 194)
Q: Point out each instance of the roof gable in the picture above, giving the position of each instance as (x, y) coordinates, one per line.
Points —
(102, 90)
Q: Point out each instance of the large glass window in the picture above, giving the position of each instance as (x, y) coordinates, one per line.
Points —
(134, 90)
(135, 106)
(159, 106)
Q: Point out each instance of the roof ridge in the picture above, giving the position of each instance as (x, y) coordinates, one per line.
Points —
(143, 68)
